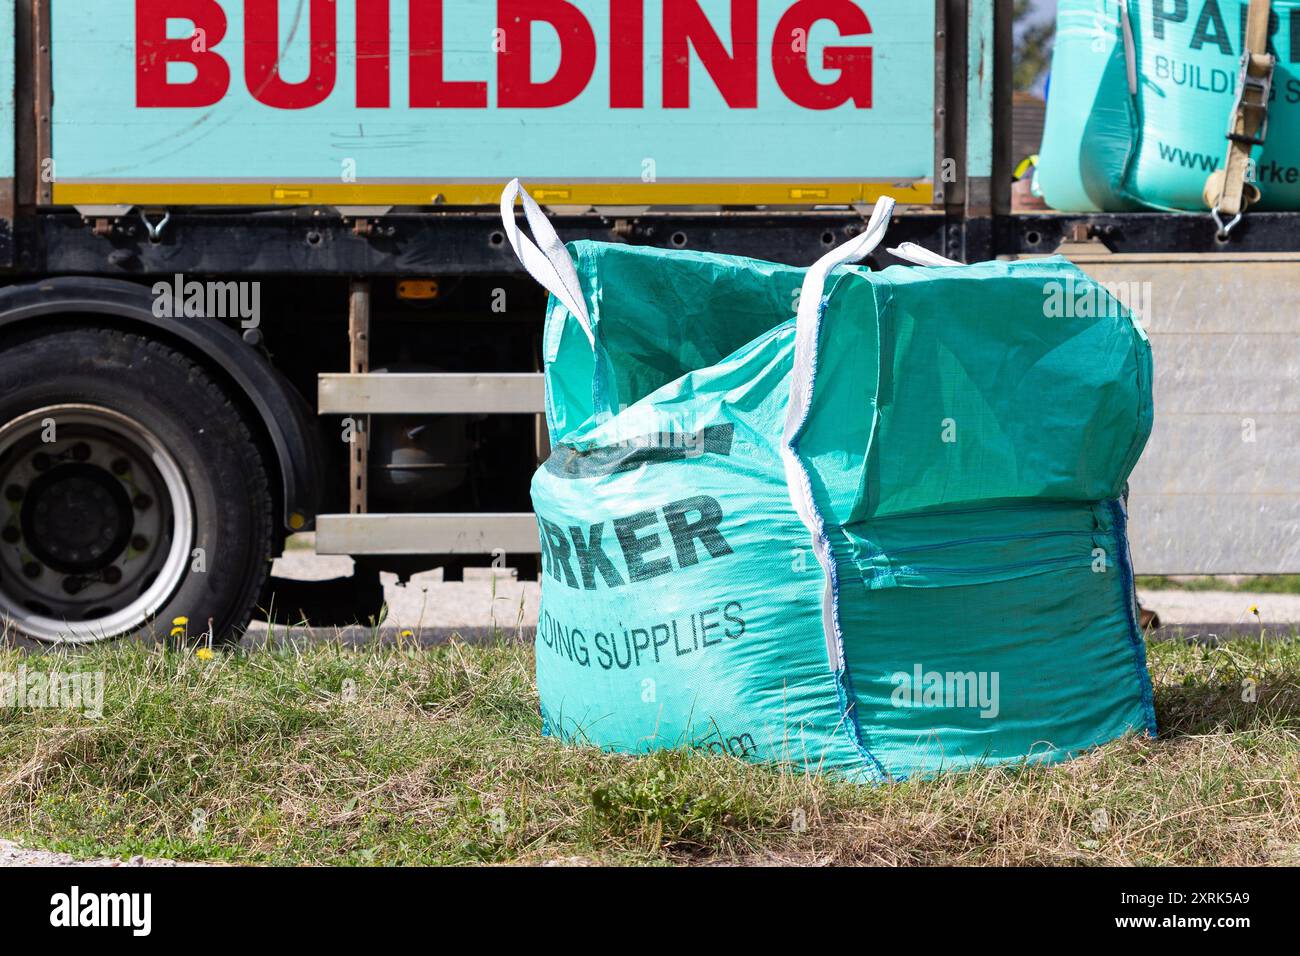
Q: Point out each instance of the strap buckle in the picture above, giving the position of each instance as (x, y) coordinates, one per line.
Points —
(1249, 83)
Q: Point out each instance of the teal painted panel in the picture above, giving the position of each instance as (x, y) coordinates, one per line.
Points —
(979, 89)
(100, 134)
(6, 90)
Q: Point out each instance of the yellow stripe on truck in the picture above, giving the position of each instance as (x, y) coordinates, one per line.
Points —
(486, 194)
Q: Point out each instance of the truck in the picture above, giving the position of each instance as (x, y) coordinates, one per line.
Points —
(256, 281)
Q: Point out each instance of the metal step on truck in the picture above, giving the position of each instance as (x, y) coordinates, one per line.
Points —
(255, 280)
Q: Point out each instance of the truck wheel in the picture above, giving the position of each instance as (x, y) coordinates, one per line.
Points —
(132, 492)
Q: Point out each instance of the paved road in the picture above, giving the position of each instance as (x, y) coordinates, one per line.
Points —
(489, 600)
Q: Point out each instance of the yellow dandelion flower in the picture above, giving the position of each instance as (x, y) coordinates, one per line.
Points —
(1254, 609)
(204, 653)
(408, 634)
(180, 621)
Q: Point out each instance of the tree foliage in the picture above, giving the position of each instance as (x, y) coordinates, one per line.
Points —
(1033, 45)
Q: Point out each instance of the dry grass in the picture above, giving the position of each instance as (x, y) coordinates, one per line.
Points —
(410, 756)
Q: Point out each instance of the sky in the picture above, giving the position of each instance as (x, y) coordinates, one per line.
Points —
(1045, 8)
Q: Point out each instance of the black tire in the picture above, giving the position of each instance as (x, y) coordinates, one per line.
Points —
(176, 400)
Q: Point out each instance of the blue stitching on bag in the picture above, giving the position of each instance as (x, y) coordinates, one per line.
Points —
(1120, 534)
(843, 679)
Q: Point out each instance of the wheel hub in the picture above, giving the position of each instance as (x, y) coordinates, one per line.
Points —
(96, 523)
(77, 519)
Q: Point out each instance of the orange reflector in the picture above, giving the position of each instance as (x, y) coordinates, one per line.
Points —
(417, 289)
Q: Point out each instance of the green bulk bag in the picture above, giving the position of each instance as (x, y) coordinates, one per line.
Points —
(855, 522)
(1104, 149)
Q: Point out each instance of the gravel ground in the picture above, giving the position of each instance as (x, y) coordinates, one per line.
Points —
(11, 854)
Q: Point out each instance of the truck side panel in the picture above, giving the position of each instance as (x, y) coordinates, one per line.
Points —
(8, 120)
(810, 102)
(1218, 488)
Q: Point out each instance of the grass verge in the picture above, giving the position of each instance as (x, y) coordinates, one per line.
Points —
(430, 756)
(1256, 584)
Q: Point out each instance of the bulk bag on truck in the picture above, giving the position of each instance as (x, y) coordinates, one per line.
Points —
(1104, 149)
(866, 523)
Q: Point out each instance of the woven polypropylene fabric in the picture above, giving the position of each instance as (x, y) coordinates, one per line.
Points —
(966, 446)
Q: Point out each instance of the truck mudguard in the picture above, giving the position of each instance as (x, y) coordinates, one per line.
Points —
(284, 416)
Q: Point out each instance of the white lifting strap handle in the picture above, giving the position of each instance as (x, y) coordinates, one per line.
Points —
(798, 481)
(921, 256)
(855, 250)
(550, 264)
(810, 303)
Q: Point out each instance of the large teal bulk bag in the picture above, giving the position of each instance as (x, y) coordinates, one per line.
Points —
(866, 523)
(1104, 149)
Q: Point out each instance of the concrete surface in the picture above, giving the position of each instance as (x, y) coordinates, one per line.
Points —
(1217, 489)
(1223, 607)
(488, 600)
(491, 600)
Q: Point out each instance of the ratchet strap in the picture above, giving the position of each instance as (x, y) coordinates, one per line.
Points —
(1227, 191)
